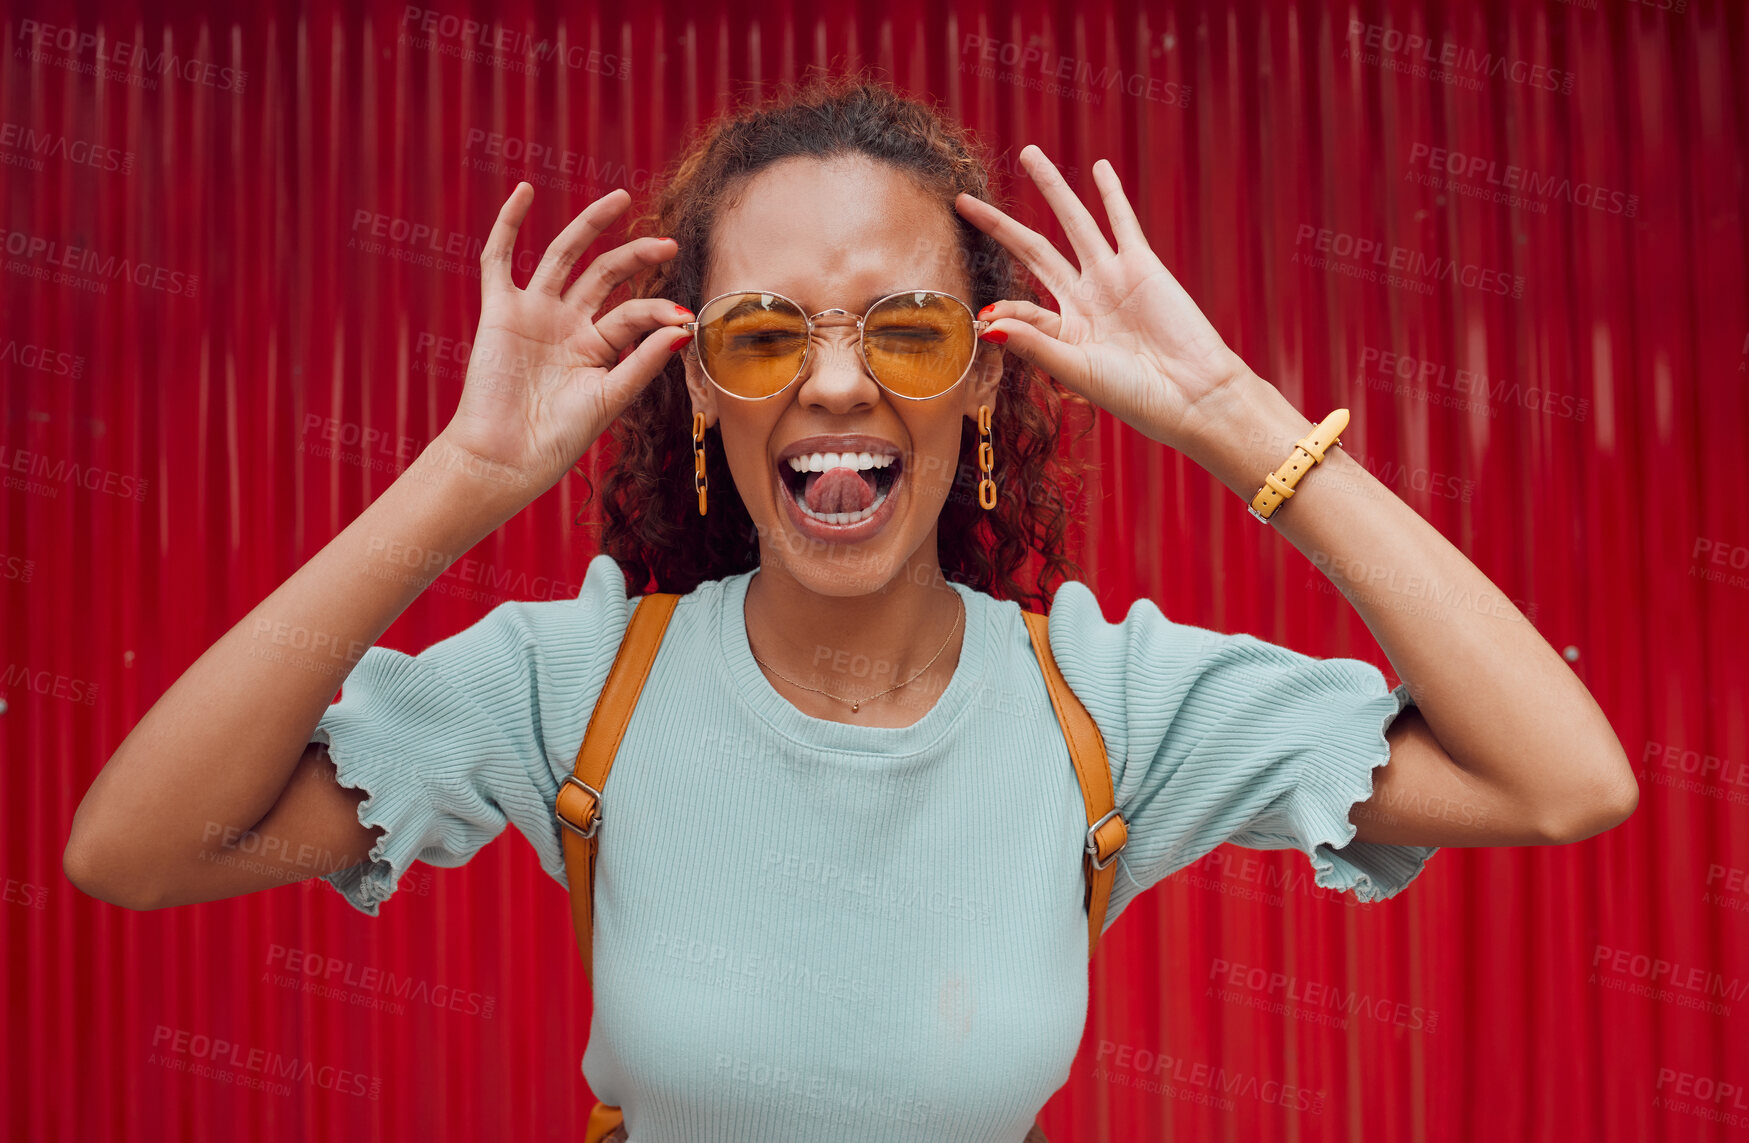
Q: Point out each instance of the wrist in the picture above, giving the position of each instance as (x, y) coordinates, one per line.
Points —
(476, 488)
(448, 464)
(433, 513)
(1246, 434)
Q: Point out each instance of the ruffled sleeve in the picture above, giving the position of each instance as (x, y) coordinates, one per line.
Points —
(1218, 738)
(462, 739)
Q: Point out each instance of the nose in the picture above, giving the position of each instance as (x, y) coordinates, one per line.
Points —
(834, 378)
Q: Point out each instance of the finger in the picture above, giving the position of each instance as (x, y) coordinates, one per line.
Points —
(624, 323)
(500, 245)
(648, 359)
(1041, 319)
(1124, 226)
(1031, 247)
(1078, 222)
(593, 285)
(555, 265)
(1033, 345)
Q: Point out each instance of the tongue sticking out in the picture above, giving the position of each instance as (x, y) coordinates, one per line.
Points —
(838, 490)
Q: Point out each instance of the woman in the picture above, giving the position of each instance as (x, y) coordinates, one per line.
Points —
(840, 887)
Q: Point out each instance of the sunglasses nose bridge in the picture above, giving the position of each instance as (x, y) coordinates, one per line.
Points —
(845, 320)
(848, 339)
(832, 355)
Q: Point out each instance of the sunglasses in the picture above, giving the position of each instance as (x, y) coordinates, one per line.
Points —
(916, 344)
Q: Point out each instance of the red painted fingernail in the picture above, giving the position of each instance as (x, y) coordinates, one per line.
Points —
(996, 335)
(680, 344)
(665, 238)
(986, 309)
(682, 310)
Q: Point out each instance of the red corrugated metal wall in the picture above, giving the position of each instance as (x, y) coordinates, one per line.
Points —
(209, 368)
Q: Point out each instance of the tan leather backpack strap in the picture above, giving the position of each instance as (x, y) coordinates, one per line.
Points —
(1106, 830)
(606, 1124)
(579, 802)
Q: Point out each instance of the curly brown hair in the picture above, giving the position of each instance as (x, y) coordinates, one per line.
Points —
(652, 528)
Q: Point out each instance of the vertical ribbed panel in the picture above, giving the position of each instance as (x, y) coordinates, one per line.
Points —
(165, 444)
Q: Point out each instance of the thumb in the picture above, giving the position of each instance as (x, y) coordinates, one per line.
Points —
(1036, 347)
(639, 367)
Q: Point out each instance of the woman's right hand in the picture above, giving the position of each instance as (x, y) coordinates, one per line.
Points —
(545, 377)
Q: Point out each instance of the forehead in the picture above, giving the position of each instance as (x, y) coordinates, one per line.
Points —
(835, 232)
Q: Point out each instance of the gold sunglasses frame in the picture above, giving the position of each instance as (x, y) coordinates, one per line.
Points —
(978, 327)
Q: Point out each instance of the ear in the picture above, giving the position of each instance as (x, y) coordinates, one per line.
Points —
(704, 394)
(984, 378)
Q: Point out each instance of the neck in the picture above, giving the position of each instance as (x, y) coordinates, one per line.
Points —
(854, 646)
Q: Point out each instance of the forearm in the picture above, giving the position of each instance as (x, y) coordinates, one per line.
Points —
(214, 753)
(1501, 701)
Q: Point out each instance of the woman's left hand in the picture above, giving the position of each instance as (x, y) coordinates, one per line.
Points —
(1127, 337)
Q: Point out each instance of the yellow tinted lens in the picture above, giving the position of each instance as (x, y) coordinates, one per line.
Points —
(918, 343)
(752, 344)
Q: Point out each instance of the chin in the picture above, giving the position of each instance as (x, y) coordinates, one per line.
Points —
(845, 570)
(838, 570)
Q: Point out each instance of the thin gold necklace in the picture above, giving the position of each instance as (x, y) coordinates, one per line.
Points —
(857, 704)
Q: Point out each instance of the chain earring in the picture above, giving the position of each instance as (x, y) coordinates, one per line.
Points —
(986, 460)
(698, 481)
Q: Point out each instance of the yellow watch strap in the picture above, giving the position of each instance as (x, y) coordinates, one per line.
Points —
(1308, 451)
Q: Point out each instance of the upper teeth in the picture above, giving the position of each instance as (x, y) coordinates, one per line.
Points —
(821, 461)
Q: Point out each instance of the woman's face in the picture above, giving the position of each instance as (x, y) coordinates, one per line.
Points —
(841, 233)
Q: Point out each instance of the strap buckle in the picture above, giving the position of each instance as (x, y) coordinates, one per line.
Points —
(594, 822)
(1093, 840)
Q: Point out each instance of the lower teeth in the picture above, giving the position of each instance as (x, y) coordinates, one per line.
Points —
(842, 518)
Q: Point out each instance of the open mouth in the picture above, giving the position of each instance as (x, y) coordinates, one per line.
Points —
(840, 488)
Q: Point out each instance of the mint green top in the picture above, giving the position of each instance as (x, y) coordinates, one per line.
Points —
(808, 930)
